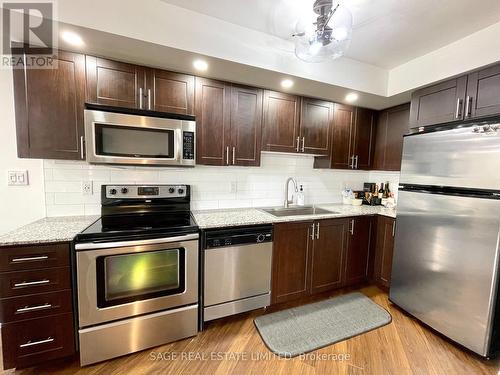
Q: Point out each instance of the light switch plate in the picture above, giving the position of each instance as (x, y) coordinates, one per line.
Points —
(17, 178)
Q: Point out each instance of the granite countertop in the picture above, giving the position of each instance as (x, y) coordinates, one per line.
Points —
(50, 229)
(251, 216)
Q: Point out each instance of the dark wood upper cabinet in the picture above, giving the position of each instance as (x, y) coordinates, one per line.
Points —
(356, 266)
(212, 109)
(364, 138)
(391, 127)
(483, 93)
(341, 155)
(170, 92)
(49, 106)
(246, 125)
(115, 83)
(328, 253)
(291, 263)
(316, 126)
(280, 128)
(384, 247)
(439, 103)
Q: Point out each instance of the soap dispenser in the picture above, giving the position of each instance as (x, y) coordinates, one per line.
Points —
(300, 196)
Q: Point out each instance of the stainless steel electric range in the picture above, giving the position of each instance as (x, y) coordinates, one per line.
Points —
(137, 271)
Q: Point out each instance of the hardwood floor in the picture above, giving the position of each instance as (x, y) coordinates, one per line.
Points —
(233, 346)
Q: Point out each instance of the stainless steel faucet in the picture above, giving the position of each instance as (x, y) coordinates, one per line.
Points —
(287, 201)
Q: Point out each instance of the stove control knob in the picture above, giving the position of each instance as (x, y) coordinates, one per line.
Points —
(180, 191)
(124, 190)
(112, 191)
(261, 238)
(171, 190)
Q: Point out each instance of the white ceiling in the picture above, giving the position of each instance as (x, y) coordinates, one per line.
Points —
(387, 33)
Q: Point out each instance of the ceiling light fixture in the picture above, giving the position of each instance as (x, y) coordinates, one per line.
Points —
(200, 65)
(72, 38)
(286, 83)
(351, 97)
(323, 33)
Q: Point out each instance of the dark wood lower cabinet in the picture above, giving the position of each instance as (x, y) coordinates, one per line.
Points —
(36, 308)
(318, 256)
(384, 246)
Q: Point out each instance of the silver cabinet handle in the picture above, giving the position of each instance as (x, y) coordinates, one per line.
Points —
(31, 283)
(82, 146)
(227, 155)
(34, 308)
(357, 160)
(140, 97)
(458, 112)
(298, 144)
(303, 144)
(468, 106)
(149, 99)
(234, 155)
(32, 343)
(393, 228)
(29, 259)
(352, 162)
(312, 231)
(352, 227)
(317, 230)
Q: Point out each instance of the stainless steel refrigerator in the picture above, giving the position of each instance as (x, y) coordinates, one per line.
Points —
(446, 256)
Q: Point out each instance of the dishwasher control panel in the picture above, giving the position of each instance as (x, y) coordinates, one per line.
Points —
(238, 236)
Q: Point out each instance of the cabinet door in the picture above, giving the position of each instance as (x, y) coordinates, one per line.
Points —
(280, 129)
(438, 104)
(364, 137)
(170, 92)
(391, 127)
(483, 93)
(115, 83)
(49, 105)
(343, 127)
(316, 118)
(328, 252)
(383, 250)
(356, 268)
(246, 125)
(212, 108)
(290, 278)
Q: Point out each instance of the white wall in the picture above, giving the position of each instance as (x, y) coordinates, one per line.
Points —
(19, 205)
(212, 187)
(474, 51)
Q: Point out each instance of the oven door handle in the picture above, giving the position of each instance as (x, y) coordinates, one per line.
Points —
(107, 245)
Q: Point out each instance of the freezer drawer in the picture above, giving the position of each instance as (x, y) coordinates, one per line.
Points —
(446, 263)
(458, 157)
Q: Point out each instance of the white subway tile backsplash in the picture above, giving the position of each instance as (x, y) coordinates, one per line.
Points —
(212, 187)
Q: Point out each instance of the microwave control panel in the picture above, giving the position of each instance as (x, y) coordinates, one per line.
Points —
(188, 145)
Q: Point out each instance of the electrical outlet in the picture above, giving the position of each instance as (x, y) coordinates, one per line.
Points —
(17, 178)
(234, 187)
(87, 188)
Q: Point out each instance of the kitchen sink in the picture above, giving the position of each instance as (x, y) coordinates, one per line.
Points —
(297, 211)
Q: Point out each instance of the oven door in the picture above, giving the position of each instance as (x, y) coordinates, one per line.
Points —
(123, 279)
(119, 138)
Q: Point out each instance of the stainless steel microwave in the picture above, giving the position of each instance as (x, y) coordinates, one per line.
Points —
(119, 138)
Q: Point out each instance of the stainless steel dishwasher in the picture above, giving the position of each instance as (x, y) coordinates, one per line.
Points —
(236, 270)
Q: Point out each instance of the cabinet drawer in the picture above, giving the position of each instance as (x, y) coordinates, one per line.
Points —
(31, 282)
(20, 258)
(35, 306)
(34, 341)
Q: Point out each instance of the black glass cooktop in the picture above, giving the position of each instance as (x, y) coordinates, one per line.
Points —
(139, 226)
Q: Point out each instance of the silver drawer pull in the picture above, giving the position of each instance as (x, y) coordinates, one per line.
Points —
(34, 308)
(31, 283)
(29, 259)
(32, 343)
